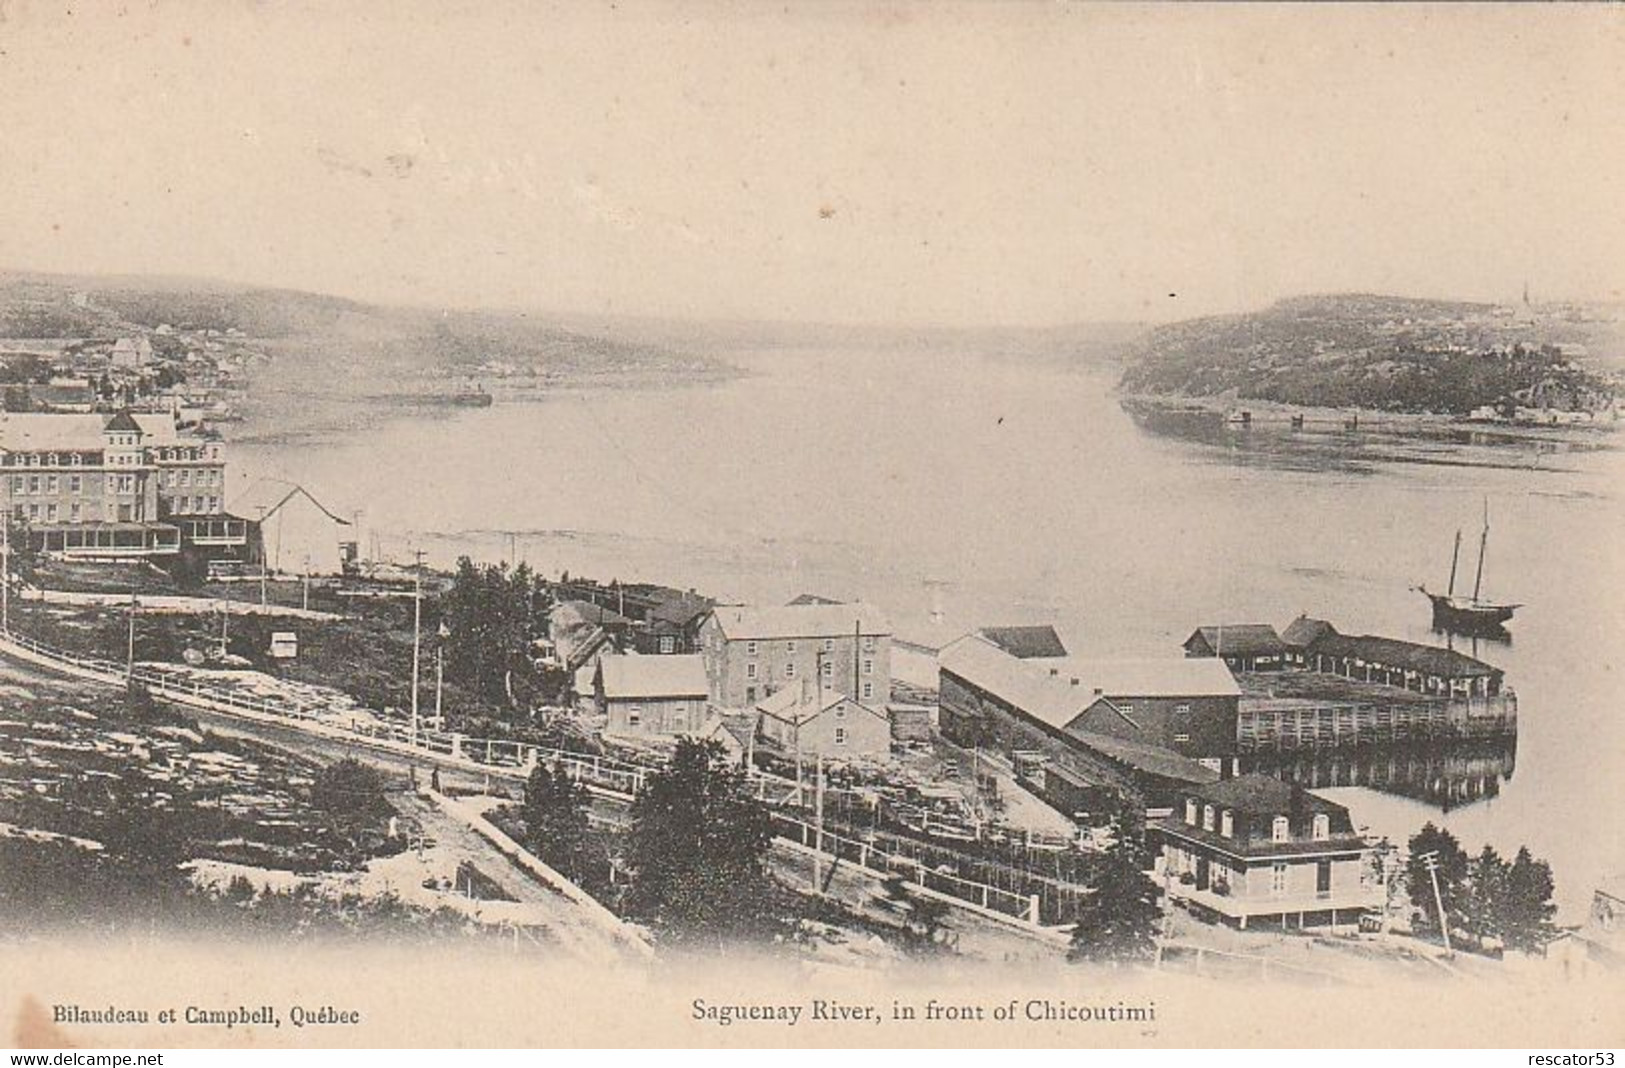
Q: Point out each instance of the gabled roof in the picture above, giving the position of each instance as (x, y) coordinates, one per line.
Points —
(595, 614)
(629, 677)
(1158, 677)
(123, 423)
(811, 598)
(1026, 642)
(1022, 684)
(680, 609)
(1239, 639)
(1305, 631)
(1264, 795)
(1427, 659)
(272, 494)
(796, 705)
(800, 621)
(1145, 757)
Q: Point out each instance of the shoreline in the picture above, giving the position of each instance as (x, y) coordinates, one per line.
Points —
(1268, 414)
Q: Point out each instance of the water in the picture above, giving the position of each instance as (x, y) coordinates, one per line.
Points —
(966, 491)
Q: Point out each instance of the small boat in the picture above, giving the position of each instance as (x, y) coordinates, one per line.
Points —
(1469, 615)
(472, 397)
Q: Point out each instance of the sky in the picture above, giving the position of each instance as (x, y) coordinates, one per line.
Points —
(950, 164)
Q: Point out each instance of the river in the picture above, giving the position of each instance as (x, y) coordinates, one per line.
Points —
(969, 490)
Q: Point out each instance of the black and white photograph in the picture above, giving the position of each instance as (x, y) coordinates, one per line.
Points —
(811, 525)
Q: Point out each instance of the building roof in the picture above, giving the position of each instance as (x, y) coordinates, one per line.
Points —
(800, 621)
(1264, 795)
(1026, 642)
(1158, 677)
(1427, 659)
(595, 614)
(1022, 684)
(628, 677)
(1148, 758)
(271, 494)
(82, 431)
(1239, 639)
(680, 608)
(1305, 631)
(798, 704)
(811, 598)
(123, 423)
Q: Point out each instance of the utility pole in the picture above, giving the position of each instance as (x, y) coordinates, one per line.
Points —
(1431, 860)
(818, 825)
(264, 561)
(5, 579)
(417, 635)
(440, 674)
(129, 662)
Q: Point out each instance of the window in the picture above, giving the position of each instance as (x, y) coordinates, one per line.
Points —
(840, 711)
(51, 485)
(1281, 830)
(750, 648)
(840, 735)
(679, 719)
(1190, 811)
(1182, 737)
(790, 671)
(790, 647)
(668, 644)
(18, 484)
(868, 667)
(634, 715)
(1182, 710)
(1207, 817)
(1227, 824)
(1323, 827)
(1278, 879)
(1127, 708)
(869, 645)
(827, 669)
(73, 511)
(829, 645)
(868, 690)
(750, 671)
(33, 483)
(74, 483)
(50, 512)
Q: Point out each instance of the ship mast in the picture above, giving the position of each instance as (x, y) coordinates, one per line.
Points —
(1455, 557)
(1483, 541)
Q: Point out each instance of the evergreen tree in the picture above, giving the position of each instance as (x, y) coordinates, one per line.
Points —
(1117, 922)
(1484, 906)
(555, 813)
(1529, 903)
(1452, 873)
(697, 851)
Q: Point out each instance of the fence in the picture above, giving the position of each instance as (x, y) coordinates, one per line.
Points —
(605, 774)
(867, 855)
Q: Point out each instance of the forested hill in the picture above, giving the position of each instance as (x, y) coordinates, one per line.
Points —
(1380, 352)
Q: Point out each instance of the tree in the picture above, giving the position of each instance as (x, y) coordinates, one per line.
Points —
(1117, 921)
(1452, 874)
(1484, 906)
(697, 851)
(351, 795)
(555, 813)
(1529, 889)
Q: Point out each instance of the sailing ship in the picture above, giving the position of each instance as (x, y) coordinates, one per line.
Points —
(1463, 614)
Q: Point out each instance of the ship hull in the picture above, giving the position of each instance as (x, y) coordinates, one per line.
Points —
(1450, 613)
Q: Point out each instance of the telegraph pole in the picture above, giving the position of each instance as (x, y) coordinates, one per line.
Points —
(417, 635)
(440, 673)
(1431, 860)
(5, 578)
(129, 662)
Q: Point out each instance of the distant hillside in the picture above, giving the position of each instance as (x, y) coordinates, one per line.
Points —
(346, 342)
(1379, 352)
